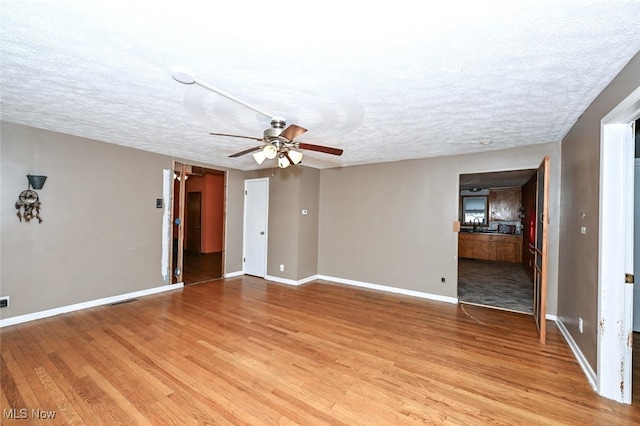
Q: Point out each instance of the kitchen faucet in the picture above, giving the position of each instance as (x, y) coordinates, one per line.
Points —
(476, 221)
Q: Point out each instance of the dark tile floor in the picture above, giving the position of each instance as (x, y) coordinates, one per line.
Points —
(500, 285)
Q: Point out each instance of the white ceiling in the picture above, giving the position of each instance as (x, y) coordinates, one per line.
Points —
(382, 80)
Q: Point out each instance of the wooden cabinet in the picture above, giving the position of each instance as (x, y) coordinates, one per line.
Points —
(506, 248)
(499, 247)
(474, 246)
(504, 204)
(465, 246)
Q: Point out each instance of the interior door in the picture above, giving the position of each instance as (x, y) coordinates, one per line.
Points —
(194, 222)
(256, 209)
(541, 240)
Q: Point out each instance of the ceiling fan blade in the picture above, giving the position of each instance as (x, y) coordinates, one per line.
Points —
(320, 148)
(292, 131)
(237, 136)
(246, 151)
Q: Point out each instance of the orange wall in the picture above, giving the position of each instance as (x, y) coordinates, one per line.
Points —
(212, 188)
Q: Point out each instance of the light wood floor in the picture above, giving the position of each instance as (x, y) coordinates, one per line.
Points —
(243, 351)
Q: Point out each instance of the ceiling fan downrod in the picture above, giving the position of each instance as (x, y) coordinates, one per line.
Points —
(185, 76)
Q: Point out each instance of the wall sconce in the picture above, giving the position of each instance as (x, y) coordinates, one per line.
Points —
(36, 182)
(28, 204)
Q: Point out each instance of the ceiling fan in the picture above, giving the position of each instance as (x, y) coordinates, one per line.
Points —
(277, 141)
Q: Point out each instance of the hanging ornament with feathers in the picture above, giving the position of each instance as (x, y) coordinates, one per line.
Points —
(28, 206)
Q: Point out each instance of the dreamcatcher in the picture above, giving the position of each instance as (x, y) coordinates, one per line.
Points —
(28, 204)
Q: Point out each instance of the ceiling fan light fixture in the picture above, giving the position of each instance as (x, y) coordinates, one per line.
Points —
(283, 161)
(259, 156)
(270, 151)
(295, 156)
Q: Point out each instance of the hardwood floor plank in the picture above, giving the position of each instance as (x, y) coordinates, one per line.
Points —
(247, 351)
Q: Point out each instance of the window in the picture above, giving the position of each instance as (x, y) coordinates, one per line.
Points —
(474, 210)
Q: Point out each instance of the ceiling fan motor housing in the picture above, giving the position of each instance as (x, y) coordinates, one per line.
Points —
(271, 133)
(277, 126)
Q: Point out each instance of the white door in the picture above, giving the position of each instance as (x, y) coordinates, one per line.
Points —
(256, 215)
(615, 304)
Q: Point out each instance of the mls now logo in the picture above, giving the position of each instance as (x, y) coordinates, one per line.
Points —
(15, 413)
(23, 413)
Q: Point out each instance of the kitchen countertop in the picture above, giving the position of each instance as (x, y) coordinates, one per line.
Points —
(465, 231)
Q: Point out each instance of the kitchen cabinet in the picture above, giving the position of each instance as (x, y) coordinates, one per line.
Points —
(504, 204)
(506, 248)
(474, 246)
(496, 247)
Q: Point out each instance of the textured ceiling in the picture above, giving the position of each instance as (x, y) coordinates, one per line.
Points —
(383, 83)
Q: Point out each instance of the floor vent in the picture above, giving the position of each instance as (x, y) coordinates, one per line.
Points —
(122, 301)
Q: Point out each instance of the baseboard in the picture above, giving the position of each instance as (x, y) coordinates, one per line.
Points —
(5, 322)
(389, 289)
(234, 274)
(290, 281)
(584, 364)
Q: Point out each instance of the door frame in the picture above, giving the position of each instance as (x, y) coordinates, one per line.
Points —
(177, 232)
(541, 268)
(615, 251)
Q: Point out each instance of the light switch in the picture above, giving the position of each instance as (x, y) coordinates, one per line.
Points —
(304, 211)
(583, 230)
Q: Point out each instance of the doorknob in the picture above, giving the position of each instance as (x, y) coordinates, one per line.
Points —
(261, 232)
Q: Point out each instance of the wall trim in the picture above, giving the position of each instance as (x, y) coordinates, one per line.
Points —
(584, 364)
(363, 284)
(234, 274)
(390, 289)
(5, 322)
(290, 281)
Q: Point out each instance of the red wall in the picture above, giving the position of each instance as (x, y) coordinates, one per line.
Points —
(212, 188)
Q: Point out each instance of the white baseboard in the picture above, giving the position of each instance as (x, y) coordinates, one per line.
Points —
(389, 289)
(363, 285)
(584, 364)
(5, 322)
(234, 274)
(289, 281)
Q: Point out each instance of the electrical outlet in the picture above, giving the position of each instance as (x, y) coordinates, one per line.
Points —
(4, 301)
(281, 268)
(580, 325)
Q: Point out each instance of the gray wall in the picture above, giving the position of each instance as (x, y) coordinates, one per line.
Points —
(308, 224)
(292, 237)
(102, 234)
(578, 294)
(392, 223)
(101, 231)
(233, 221)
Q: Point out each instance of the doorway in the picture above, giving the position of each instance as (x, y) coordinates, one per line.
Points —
(615, 245)
(495, 264)
(198, 224)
